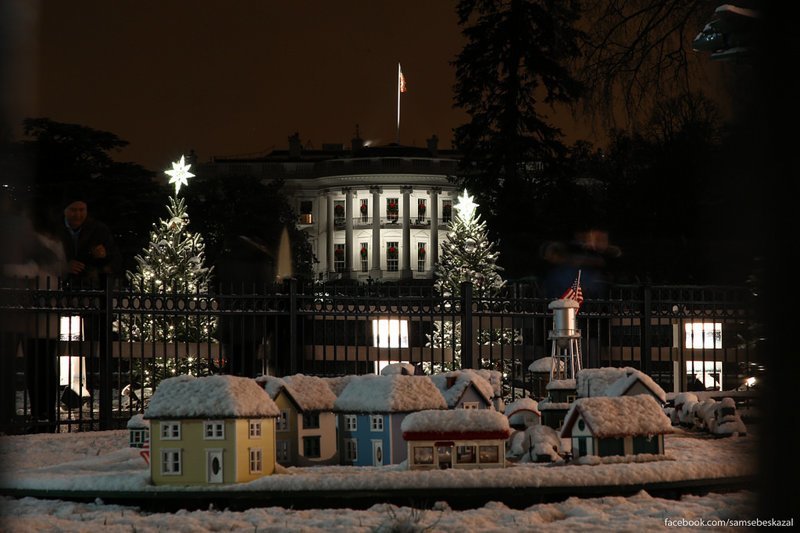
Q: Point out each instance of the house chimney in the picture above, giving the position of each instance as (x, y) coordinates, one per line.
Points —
(295, 146)
(357, 143)
(433, 145)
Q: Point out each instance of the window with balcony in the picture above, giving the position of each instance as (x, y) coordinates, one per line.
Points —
(338, 212)
(338, 257)
(392, 209)
(421, 256)
(363, 254)
(422, 210)
(306, 212)
(447, 211)
(363, 210)
(392, 256)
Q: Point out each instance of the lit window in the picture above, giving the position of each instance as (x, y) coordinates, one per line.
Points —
(255, 429)
(423, 455)
(489, 454)
(421, 254)
(465, 454)
(171, 462)
(376, 423)
(364, 256)
(703, 335)
(392, 256)
(390, 333)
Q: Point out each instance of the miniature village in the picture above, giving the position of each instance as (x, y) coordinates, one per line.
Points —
(226, 429)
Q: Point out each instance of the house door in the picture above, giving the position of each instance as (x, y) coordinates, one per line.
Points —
(214, 466)
(377, 453)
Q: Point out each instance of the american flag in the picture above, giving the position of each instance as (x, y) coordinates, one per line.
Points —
(574, 292)
(145, 453)
(402, 82)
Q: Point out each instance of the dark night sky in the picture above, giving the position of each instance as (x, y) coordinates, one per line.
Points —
(236, 77)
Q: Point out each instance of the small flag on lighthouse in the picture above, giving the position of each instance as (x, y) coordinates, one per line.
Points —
(402, 82)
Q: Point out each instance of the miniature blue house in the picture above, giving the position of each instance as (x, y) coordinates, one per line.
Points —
(138, 431)
(371, 410)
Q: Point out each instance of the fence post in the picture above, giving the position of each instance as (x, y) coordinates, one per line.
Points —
(466, 326)
(105, 355)
(646, 326)
(293, 326)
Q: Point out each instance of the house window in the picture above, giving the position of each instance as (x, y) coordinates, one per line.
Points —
(170, 430)
(422, 209)
(423, 455)
(351, 450)
(311, 447)
(282, 451)
(338, 257)
(489, 454)
(363, 210)
(310, 420)
(256, 463)
(392, 256)
(392, 209)
(470, 405)
(703, 335)
(447, 211)
(171, 461)
(421, 255)
(581, 424)
(283, 422)
(376, 423)
(255, 429)
(350, 423)
(137, 436)
(389, 333)
(213, 430)
(465, 454)
(338, 212)
(364, 255)
(306, 209)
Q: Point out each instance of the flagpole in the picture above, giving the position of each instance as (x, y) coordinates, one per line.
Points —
(398, 102)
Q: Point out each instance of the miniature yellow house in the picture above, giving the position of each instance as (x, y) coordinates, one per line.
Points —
(209, 430)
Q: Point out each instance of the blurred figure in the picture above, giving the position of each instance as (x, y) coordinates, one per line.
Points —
(245, 268)
(590, 252)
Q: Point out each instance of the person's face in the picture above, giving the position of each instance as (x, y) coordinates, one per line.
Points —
(75, 214)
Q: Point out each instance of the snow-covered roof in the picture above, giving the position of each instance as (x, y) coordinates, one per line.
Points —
(682, 397)
(388, 394)
(618, 416)
(494, 377)
(462, 380)
(595, 381)
(309, 393)
(561, 384)
(456, 421)
(405, 369)
(522, 404)
(623, 384)
(137, 421)
(337, 384)
(544, 364)
(211, 396)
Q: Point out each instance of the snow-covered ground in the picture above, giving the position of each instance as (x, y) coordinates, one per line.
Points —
(101, 461)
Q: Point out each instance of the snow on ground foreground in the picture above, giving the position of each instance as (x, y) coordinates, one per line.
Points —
(636, 513)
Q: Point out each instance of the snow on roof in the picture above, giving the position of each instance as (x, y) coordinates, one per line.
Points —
(683, 397)
(271, 384)
(463, 379)
(337, 384)
(561, 384)
(728, 402)
(544, 364)
(211, 396)
(494, 377)
(405, 369)
(618, 416)
(388, 394)
(595, 381)
(456, 421)
(623, 384)
(522, 404)
(137, 421)
(310, 393)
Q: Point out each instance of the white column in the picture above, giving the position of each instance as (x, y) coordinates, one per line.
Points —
(434, 253)
(348, 235)
(375, 269)
(405, 256)
(329, 266)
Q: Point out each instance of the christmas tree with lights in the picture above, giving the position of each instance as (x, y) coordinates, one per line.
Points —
(172, 265)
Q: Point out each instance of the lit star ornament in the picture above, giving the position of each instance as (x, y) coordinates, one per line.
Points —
(179, 175)
(466, 207)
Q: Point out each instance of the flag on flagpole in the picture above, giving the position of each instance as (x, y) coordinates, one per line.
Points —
(403, 87)
(574, 292)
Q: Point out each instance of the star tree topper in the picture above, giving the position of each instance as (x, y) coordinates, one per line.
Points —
(466, 207)
(179, 175)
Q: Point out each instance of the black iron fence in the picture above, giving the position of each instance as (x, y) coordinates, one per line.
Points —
(77, 359)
